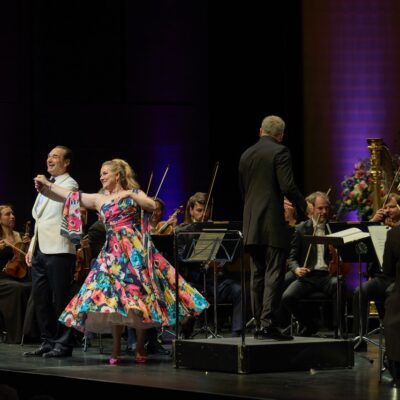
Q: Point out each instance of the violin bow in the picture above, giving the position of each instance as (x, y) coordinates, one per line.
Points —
(211, 189)
(309, 246)
(162, 181)
(391, 187)
(149, 184)
(14, 247)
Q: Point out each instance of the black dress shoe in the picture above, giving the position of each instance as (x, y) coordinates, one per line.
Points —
(271, 332)
(57, 353)
(45, 348)
(308, 331)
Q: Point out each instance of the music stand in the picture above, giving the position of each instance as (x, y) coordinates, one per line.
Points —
(348, 253)
(341, 243)
(208, 243)
(370, 255)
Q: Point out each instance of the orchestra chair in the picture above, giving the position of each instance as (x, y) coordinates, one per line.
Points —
(321, 301)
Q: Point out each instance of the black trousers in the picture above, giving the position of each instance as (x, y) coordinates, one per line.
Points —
(51, 282)
(375, 289)
(267, 266)
(315, 281)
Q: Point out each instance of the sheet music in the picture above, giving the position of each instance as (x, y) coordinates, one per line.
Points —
(350, 235)
(378, 236)
(207, 246)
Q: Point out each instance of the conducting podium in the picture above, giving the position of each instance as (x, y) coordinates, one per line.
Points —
(204, 246)
(353, 237)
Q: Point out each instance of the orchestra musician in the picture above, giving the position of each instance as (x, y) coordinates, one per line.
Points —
(311, 271)
(15, 285)
(391, 268)
(389, 214)
(379, 285)
(228, 290)
(158, 226)
(83, 254)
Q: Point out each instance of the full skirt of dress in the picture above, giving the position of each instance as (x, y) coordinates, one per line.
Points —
(130, 283)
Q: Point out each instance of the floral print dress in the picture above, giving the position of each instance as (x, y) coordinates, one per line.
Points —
(130, 283)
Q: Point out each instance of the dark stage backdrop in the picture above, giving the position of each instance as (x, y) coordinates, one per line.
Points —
(187, 84)
(351, 85)
(165, 82)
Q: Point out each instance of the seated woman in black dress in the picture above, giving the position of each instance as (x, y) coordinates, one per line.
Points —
(14, 278)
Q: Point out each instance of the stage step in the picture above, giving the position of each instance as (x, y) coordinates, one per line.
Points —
(228, 354)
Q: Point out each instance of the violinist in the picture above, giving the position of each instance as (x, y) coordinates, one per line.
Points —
(389, 214)
(312, 272)
(378, 285)
(14, 285)
(159, 227)
(83, 254)
(12, 246)
(228, 289)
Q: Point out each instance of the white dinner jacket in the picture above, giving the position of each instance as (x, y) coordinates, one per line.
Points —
(48, 216)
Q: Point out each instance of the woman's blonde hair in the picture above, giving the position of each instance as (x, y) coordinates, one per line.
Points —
(126, 173)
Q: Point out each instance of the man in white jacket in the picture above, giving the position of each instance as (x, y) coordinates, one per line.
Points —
(52, 258)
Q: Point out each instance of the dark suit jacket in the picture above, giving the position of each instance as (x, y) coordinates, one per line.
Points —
(265, 177)
(391, 268)
(298, 247)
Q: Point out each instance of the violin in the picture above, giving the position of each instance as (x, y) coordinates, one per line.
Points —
(165, 227)
(337, 266)
(82, 263)
(16, 267)
(390, 222)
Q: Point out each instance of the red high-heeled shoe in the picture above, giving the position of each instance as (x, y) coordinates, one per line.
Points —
(114, 361)
(140, 359)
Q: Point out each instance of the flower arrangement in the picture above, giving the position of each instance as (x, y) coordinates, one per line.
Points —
(357, 190)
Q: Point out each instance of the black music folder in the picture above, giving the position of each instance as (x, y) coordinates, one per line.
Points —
(345, 241)
(338, 239)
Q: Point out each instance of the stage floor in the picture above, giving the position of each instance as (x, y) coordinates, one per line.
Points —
(70, 377)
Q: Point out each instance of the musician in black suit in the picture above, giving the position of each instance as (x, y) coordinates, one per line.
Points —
(377, 287)
(265, 177)
(391, 268)
(228, 289)
(312, 272)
